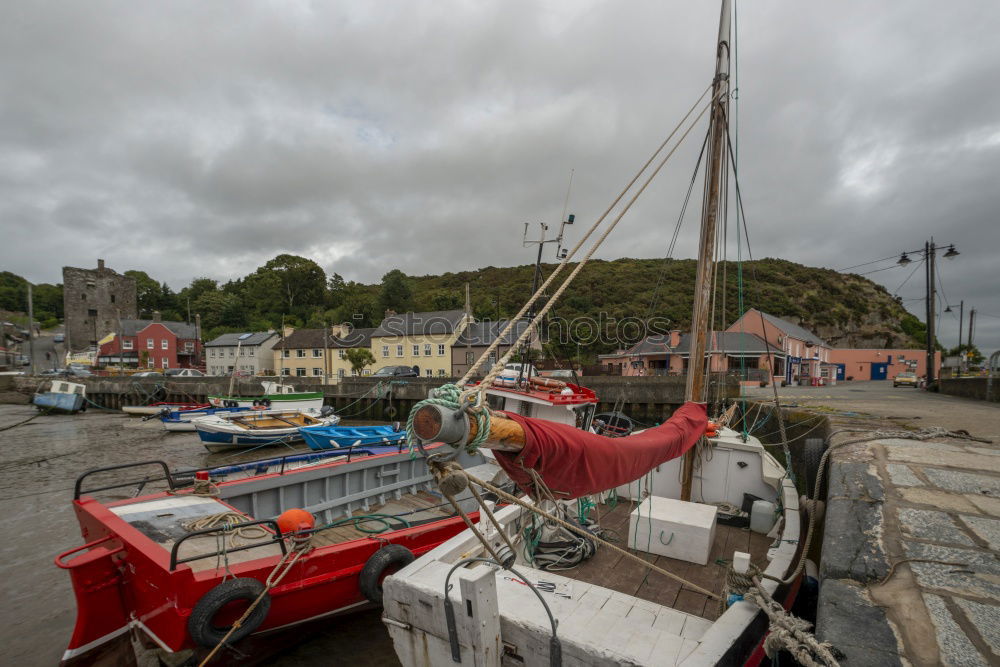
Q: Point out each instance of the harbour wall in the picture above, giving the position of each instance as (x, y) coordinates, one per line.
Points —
(970, 388)
(646, 399)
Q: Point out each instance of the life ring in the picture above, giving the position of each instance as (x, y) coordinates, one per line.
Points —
(201, 623)
(390, 412)
(390, 558)
(547, 383)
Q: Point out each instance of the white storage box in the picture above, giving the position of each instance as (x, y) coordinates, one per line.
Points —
(673, 528)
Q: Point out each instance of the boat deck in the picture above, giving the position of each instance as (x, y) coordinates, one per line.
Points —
(612, 570)
(416, 507)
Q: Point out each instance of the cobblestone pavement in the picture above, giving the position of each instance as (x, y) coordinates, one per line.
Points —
(912, 533)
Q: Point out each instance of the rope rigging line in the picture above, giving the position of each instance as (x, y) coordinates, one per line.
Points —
(572, 253)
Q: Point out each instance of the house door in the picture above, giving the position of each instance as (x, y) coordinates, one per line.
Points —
(841, 369)
(880, 371)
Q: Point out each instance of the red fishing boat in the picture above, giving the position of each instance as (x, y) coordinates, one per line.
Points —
(172, 570)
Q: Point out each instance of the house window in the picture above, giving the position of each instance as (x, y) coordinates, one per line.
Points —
(441, 350)
(340, 373)
(149, 343)
(126, 345)
(232, 352)
(286, 371)
(385, 350)
(317, 353)
(341, 354)
(83, 297)
(112, 298)
(150, 362)
(427, 349)
(470, 358)
(416, 350)
(164, 345)
(300, 353)
(165, 362)
(399, 350)
(429, 373)
(285, 353)
(92, 312)
(211, 352)
(243, 352)
(317, 371)
(440, 372)
(367, 371)
(300, 372)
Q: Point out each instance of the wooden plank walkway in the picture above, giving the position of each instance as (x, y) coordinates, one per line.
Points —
(612, 570)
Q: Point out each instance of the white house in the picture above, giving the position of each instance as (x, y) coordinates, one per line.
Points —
(251, 356)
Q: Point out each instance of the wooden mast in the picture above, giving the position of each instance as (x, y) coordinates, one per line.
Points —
(696, 377)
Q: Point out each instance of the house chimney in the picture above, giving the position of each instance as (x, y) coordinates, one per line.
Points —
(156, 316)
(675, 338)
(100, 265)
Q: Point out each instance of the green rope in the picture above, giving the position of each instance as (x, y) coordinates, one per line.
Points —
(383, 519)
(449, 396)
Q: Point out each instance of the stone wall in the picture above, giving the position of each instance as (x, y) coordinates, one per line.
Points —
(94, 300)
(970, 388)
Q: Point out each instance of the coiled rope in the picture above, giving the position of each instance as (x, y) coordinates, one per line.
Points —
(450, 396)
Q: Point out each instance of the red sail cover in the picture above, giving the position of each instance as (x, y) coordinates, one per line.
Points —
(575, 463)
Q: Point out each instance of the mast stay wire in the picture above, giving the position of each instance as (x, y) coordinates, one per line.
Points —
(566, 282)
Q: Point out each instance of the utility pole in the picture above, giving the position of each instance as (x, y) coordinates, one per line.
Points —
(31, 329)
(930, 254)
(972, 319)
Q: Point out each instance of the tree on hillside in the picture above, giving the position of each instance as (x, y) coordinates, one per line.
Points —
(396, 293)
(218, 309)
(359, 307)
(286, 284)
(359, 358)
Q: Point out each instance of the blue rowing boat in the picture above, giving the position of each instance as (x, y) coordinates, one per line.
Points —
(370, 437)
(180, 420)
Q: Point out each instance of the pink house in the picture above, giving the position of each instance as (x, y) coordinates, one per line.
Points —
(804, 355)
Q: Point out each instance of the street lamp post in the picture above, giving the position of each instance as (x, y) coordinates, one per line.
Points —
(930, 256)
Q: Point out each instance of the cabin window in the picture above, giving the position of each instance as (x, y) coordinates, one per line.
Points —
(317, 353)
(399, 350)
(416, 350)
(149, 343)
(300, 372)
(385, 350)
(126, 345)
(427, 349)
(164, 345)
(317, 371)
(441, 350)
(300, 353)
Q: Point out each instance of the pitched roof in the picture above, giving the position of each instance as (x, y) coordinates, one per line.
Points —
(431, 322)
(658, 344)
(314, 338)
(730, 342)
(232, 339)
(793, 330)
(179, 329)
(484, 333)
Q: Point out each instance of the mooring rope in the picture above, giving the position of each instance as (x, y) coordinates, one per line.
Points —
(450, 396)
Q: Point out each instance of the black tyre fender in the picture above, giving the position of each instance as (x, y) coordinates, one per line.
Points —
(266, 402)
(200, 623)
(812, 454)
(256, 403)
(385, 561)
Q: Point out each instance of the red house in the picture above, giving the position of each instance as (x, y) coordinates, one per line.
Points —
(153, 344)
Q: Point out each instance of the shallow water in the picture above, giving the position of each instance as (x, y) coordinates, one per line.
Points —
(39, 462)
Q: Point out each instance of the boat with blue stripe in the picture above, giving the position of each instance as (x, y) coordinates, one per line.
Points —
(386, 437)
(258, 428)
(62, 396)
(181, 420)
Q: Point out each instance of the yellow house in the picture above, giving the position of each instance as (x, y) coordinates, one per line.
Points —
(421, 340)
(320, 353)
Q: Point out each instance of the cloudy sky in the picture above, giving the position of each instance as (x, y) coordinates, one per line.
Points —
(201, 139)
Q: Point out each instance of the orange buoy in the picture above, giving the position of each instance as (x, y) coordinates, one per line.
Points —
(296, 520)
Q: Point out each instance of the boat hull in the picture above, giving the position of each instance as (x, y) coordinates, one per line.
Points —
(224, 433)
(311, 400)
(52, 401)
(321, 438)
(157, 408)
(182, 420)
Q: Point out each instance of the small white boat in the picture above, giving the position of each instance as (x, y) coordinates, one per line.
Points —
(276, 396)
(261, 427)
(62, 396)
(183, 420)
(159, 407)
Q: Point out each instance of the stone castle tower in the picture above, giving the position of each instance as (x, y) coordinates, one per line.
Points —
(94, 300)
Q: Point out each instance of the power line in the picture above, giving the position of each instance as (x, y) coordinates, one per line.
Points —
(875, 261)
(896, 291)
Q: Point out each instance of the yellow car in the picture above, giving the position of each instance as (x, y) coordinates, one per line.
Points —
(905, 380)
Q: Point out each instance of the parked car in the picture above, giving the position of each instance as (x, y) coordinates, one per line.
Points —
(906, 380)
(396, 371)
(79, 372)
(24, 360)
(183, 373)
(147, 374)
(59, 338)
(54, 371)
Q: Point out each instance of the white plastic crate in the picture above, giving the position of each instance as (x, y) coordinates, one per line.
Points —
(673, 528)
